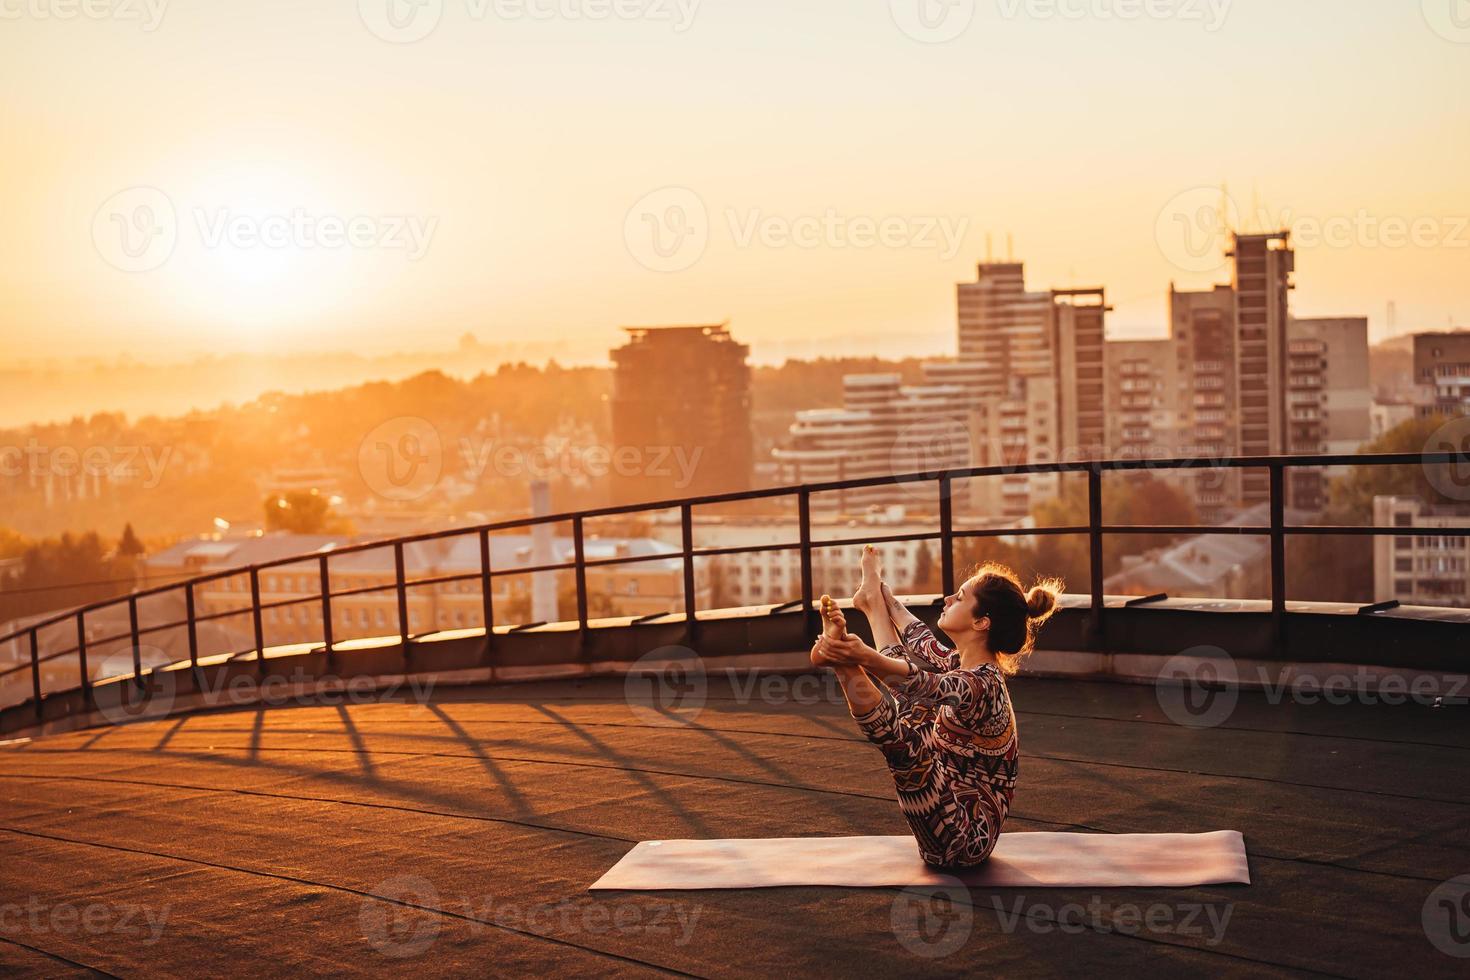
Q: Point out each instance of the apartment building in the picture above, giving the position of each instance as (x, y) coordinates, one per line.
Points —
(1419, 567)
(1442, 374)
(681, 390)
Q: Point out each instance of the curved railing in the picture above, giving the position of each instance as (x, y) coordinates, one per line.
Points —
(1277, 530)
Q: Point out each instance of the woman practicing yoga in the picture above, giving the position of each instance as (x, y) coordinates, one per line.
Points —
(942, 718)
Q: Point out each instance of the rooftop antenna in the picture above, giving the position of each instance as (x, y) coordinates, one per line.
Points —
(1225, 207)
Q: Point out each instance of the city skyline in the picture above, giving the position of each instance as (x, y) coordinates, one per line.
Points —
(394, 225)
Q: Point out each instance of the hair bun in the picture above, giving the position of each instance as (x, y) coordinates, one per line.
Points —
(1041, 601)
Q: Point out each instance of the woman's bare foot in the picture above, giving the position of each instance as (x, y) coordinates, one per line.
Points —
(834, 624)
(869, 596)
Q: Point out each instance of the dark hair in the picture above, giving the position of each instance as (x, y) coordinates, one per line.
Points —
(1015, 615)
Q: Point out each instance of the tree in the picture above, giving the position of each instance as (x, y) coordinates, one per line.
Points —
(129, 546)
(1339, 568)
(301, 512)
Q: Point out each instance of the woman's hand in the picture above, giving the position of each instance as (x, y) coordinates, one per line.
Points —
(849, 650)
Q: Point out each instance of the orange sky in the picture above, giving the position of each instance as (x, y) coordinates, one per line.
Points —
(182, 177)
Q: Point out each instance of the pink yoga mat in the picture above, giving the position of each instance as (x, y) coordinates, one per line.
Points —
(1039, 860)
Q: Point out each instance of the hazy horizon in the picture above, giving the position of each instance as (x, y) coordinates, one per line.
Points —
(306, 180)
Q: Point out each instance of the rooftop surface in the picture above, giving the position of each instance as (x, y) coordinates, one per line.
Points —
(458, 836)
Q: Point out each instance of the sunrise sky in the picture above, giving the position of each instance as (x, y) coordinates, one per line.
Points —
(499, 174)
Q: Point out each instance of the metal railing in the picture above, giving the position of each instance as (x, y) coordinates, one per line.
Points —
(947, 534)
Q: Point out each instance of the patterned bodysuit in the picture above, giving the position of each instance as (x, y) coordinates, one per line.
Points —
(950, 741)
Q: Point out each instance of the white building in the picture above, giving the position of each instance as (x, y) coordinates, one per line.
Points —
(1419, 567)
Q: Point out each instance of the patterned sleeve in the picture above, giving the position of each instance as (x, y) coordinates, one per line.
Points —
(924, 649)
(967, 692)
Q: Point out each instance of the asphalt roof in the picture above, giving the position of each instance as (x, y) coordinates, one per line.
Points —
(457, 837)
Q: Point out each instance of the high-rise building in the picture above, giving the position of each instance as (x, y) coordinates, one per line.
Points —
(1202, 330)
(1263, 268)
(681, 406)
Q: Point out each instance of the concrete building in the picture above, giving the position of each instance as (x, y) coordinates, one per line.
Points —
(682, 392)
(1442, 374)
(1419, 567)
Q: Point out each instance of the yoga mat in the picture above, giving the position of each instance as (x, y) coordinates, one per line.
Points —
(1035, 860)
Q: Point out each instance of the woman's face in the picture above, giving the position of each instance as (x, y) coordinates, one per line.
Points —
(958, 616)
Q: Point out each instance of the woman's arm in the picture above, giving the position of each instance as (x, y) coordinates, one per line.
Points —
(898, 613)
(854, 652)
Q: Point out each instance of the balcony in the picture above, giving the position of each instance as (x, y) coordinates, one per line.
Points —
(506, 770)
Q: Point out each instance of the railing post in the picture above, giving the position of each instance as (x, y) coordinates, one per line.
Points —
(946, 535)
(82, 658)
(1095, 553)
(192, 626)
(686, 524)
(325, 577)
(36, 672)
(580, 573)
(133, 632)
(804, 518)
(255, 617)
(400, 589)
(487, 596)
(1278, 557)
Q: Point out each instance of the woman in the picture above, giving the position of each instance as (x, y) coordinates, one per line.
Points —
(942, 718)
